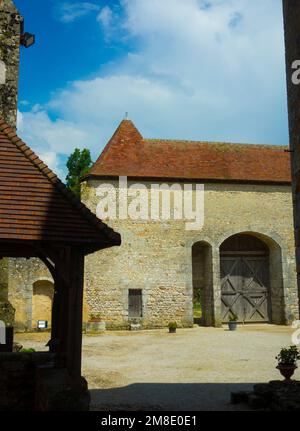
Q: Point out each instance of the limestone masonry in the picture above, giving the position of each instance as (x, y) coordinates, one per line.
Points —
(237, 257)
(241, 261)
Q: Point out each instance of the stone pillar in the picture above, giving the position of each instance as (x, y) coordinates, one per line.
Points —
(10, 31)
(291, 11)
(216, 282)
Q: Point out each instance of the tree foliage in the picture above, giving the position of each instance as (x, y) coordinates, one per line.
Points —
(78, 165)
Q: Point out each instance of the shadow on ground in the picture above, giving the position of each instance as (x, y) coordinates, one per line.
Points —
(169, 397)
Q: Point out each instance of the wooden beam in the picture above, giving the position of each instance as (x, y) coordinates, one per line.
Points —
(67, 310)
(75, 305)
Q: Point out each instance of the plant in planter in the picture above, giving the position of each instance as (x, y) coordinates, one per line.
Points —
(232, 322)
(287, 362)
(172, 327)
(95, 317)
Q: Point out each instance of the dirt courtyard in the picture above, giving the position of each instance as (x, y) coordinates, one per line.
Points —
(194, 369)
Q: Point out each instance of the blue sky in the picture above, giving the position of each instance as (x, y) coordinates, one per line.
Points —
(188, 69)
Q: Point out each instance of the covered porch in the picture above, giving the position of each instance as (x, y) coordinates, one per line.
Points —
(41, 218)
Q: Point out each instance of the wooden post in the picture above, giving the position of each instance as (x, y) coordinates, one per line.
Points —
(67, 309)
(75, 305)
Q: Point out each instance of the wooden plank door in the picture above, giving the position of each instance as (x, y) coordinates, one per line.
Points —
(245, 287)
(231, 287)
(135, 303)
(255, 273)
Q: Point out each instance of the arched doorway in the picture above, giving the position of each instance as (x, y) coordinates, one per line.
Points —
(245, 279)
(202, 283)
(42, 302)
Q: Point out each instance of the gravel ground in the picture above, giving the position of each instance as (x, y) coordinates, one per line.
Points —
(194, 369)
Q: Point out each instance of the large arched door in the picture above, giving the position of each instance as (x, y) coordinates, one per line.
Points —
(245, 279)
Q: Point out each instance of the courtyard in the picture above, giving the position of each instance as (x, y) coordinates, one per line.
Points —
(194, 369)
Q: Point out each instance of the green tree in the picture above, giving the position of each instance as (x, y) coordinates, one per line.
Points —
(78, 165)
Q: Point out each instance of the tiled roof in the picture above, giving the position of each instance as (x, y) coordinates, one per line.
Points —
(36, 206)
(129, 154)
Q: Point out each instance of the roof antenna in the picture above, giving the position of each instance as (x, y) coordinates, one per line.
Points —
(126, 115)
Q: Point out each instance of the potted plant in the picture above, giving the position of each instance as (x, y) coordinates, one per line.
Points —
(232, 322)
(95, 317)
(287, 362)
(172, 327)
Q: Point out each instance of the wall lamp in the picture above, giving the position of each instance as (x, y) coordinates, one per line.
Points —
(27, 39)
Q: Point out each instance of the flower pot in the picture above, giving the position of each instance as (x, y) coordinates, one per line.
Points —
(287, 370)
(232, 326)
(172, 330)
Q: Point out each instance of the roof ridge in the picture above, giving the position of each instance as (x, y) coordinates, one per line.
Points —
(11, 134)
(158, 140)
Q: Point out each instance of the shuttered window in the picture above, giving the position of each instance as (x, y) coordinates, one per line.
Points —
(135, 303)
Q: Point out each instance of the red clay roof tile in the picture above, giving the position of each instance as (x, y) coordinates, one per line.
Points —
(36, 206)
(129, 154)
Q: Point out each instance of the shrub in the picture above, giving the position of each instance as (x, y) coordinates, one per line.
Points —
(29, 350)
(172, 325)
(233, 317)
(288, 356)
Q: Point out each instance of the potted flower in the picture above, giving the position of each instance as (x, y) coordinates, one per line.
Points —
(172, 327)
(287, 362)
(232, 322)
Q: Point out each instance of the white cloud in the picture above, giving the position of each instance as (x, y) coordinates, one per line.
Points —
(69, 12)
(105, 16)
(201, 70)
(50, 138)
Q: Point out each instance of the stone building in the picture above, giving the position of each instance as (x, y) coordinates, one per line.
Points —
(224, 234)
(10, 34)
(291, 13)
(241, 259)
(239, 256)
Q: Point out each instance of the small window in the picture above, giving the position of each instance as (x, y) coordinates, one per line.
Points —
(135, 303)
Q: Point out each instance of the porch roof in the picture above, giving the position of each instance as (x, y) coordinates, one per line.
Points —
(35, 206)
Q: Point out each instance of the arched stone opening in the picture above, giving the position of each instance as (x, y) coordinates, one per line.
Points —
(252, 279)
(42, 299)
(202, 283)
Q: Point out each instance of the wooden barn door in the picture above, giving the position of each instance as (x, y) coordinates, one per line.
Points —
(245, 285)
(135, 303)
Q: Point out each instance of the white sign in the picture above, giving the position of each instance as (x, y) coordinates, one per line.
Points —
(42, 324)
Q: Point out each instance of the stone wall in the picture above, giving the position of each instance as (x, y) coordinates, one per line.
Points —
(31, 381)
(17, 379)
(3, 279)
(9, 61)
(156, 256)
(291, 10)
(19, 279)
(22, 275)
